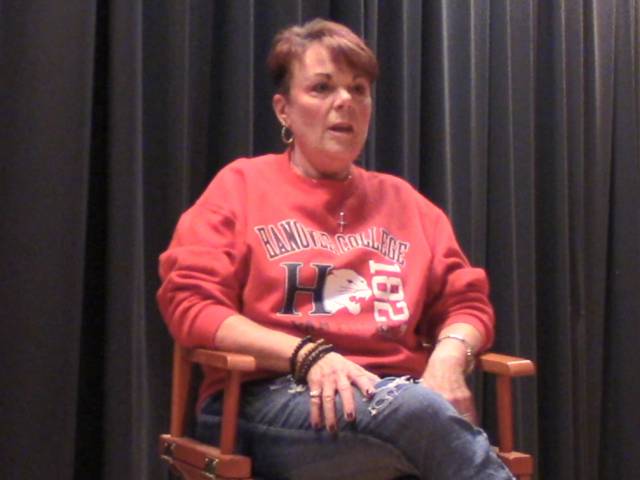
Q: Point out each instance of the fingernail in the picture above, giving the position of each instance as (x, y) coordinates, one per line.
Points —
(332, 428)
(350, 416)
(370, 392)
(316, 426)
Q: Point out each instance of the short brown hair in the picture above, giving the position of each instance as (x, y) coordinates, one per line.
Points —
(345, 46)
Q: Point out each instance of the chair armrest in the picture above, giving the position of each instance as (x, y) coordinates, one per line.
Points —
(235, 364)
(184, 358)
(222, 360)
(499, 364)
(506, 367)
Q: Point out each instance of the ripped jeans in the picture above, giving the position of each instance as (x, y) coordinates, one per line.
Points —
(404, 431)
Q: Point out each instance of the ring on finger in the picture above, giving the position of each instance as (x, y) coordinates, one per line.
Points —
(314, 393)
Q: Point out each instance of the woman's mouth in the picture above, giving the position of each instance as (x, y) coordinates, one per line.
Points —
(342, 128)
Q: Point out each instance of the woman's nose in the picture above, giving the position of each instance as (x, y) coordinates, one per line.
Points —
(343, 97)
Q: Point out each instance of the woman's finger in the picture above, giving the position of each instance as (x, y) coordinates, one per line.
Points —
(346, 395)
(329, 404)
(334, 375)
(366, 383)
(315, 408)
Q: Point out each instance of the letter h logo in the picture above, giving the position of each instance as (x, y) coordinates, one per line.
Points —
(293, 287)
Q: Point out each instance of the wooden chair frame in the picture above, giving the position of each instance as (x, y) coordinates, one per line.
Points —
(192, 460)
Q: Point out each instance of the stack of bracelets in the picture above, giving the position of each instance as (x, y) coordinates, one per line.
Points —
(300, 366)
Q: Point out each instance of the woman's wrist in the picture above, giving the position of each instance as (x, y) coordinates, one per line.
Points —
(460, 340)
(298, 352)
(459, 346)
(450, 353)
(306, 354)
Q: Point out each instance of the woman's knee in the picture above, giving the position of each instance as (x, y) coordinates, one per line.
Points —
(411, 399)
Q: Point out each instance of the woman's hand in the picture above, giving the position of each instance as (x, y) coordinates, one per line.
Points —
(445, 373)
(333, 375)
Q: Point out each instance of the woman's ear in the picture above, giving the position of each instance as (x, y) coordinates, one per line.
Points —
(279, 104)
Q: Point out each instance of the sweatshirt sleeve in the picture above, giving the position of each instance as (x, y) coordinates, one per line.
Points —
(456, 291)
(200, 274)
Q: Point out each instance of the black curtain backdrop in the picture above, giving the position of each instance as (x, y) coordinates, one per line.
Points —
(520, 118)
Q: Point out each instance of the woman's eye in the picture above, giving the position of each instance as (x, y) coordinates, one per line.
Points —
(359, 89)
(321, 87)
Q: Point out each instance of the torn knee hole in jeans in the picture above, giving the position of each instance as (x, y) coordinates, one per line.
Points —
(386, 392)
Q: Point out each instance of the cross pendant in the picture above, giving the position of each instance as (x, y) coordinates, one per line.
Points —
(341, 222)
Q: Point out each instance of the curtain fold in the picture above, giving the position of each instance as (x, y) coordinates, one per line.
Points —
(520, 119)
(620, 422)
(126, 401)
(44, 141)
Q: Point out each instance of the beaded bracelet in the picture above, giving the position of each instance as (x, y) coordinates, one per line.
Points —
(296, 351)
(310, 360)
(299, 361)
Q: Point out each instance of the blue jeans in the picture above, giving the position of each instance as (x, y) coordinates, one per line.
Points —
(404, 430)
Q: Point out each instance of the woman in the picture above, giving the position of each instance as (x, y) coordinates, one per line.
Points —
(332, 277)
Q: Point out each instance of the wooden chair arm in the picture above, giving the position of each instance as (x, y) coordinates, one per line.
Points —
(507, 367)
(499, 364)
(191, 458)
(183, 359)
(234, 363)
(495, 363)
(222, 360)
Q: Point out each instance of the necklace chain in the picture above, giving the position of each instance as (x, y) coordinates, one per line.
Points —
(342, 222)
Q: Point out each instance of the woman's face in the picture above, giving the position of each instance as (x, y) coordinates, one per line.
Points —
(328, 109)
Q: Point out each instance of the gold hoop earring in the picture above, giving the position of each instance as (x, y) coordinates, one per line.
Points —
(286, 135)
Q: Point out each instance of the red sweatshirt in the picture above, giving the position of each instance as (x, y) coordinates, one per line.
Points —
(368, 264)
